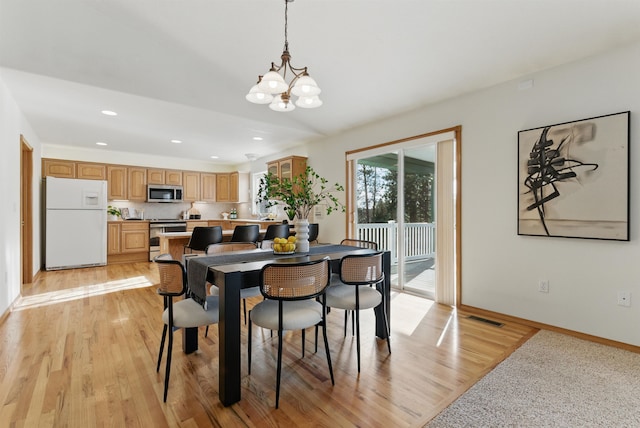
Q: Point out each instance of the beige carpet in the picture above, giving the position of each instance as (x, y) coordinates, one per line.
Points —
(553, 380)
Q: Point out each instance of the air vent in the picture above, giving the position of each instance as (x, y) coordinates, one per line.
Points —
(494, 323)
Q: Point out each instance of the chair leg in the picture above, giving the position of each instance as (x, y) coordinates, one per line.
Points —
(206, 331)
(316, 350)
(326, 347)
(303, 341)
(164, 335)
(249, 345)
(168, 371)
(279, 371)
(357, 315)
(352, 325)
(346, 318)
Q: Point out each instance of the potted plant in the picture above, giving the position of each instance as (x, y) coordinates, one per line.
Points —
(113, 212)
(298, 196)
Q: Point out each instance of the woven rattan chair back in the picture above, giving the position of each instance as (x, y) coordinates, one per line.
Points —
(172, 276)
(295, 281)
(225, 247)
(361, 269)
(360, 243)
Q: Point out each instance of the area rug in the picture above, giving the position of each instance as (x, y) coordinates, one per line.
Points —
(553, 380)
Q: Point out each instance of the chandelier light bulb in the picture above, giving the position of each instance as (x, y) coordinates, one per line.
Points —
(305, 86)
(309, 102)
(257, 96)
(278, 104)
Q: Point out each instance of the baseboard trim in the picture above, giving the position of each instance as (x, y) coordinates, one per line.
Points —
(542, 326)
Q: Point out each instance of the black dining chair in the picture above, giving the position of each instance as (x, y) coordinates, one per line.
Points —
(202, 237)
(275, 231)
(246, 233)
(313, 232)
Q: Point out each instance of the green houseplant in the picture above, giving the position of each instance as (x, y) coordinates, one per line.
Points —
(114, 212)
(299, 195)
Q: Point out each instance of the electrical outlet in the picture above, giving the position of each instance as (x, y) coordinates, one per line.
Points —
(624, 298)
(543, 286)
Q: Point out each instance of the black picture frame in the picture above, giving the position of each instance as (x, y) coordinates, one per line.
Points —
(573, 179)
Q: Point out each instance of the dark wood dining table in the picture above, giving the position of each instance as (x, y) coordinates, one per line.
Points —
(236, 270)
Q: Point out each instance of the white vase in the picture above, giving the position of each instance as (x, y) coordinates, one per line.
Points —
(302, 236)
(111, 217)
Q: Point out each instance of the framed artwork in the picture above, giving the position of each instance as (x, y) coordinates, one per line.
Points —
(573, 179)
(124, 212)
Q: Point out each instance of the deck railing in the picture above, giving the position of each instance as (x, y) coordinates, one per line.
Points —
(419, 238)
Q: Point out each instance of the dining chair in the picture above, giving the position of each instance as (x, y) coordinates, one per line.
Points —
(245, 293)
(184, 313)
(274, 231)
(203, 237)
(335, 279)
(246, 233)
(313, 232)
(294, 300)
(359, 274)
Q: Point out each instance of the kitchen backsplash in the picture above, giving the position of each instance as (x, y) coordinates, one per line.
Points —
(176, 210)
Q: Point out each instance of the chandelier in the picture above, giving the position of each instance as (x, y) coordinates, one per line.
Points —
(273, 89)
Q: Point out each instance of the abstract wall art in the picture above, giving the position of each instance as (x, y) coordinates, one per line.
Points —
(573, 179)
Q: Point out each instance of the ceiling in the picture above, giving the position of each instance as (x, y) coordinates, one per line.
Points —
(180, 69)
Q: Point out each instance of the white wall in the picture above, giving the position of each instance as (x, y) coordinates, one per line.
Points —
(501, 270)
(12, 124)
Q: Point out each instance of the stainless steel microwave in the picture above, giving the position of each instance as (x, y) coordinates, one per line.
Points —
(164, 193)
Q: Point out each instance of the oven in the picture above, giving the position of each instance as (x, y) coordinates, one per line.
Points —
(162, 226)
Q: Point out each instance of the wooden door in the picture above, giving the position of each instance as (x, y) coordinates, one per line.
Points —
(173, 177)
(113, 238)
(91, 171)
(191, 182)
(117, 182)
(137, 184)
(155, 176)
(207, 187)
(222, 187)
(58, 168)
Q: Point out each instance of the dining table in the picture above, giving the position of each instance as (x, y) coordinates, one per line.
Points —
(241, 269)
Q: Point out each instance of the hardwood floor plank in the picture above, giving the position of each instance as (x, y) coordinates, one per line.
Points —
(80, 348)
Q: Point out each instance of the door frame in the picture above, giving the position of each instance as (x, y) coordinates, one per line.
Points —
(456, 133)
(26, 212)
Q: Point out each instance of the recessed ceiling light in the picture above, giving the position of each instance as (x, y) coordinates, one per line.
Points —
(258, 138)
(100, 143)
(176, 141)
(214, 157)
(109, 113)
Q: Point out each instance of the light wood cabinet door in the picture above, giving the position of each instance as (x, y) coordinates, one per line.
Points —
(191, 183)
(137, 180)
(91, 171)
(113, 238)
(155, 176)
(272, 167)
(288, 167)
(135, 238)
(234, 178)
(207, 187)
(117, 182)
(173, 177)
(58, 168)
(191, 224)
(222, 187)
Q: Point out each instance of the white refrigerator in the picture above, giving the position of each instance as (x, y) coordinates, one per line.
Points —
(75, 223)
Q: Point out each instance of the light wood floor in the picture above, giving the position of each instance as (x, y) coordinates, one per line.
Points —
(80, 349)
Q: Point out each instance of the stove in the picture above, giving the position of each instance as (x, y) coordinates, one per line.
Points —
(157, 226)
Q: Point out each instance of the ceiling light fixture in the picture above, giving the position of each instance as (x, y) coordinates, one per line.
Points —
(176, 141)
(251, 156)
(109, 113)
(258, 138)
(100, 143)
(272, 87)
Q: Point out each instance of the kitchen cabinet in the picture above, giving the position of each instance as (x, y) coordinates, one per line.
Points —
(288, 167)
(164, 176)
(91, 171)
(232, 187)
(207, 187)
(191, 224)
(117, 182)
(127, 241)
(58, 168)
(137, 184)
(191, 182)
